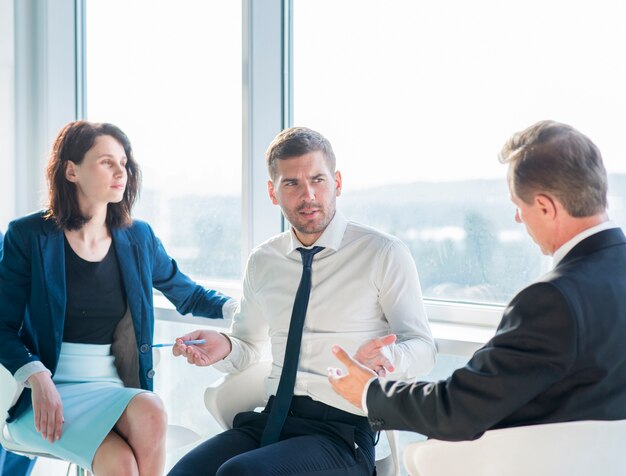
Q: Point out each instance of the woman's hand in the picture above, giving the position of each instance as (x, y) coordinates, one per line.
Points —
(47, 406)
(216, 347)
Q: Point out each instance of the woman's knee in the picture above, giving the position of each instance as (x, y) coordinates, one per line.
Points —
(146, 413)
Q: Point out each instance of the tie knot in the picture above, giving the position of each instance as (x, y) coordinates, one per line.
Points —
(307, 255)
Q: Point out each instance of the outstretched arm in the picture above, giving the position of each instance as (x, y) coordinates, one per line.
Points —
(216, 347)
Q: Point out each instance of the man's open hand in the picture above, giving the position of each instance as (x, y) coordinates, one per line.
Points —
(349, 385)
(372, 356)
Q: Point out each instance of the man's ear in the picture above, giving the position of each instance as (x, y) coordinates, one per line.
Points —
(70, 171)
(338, 183)
(272, 192)
(548, 205)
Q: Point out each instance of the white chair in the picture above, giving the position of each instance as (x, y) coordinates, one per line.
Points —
(244, 391)
(583, 448)
(9, 392)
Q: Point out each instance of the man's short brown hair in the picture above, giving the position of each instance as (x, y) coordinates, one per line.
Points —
(297, 141)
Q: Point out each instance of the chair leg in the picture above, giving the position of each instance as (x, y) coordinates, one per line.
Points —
(80, 471)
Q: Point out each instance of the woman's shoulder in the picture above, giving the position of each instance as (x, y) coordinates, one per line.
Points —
(138, 230)
(34, 222)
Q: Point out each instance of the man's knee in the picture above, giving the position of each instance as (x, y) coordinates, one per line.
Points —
(238, 466)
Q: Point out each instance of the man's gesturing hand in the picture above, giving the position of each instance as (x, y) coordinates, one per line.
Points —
(371, 354)
(216, 347)
(349, 385)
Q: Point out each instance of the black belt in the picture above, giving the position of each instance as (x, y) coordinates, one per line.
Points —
(306, 407)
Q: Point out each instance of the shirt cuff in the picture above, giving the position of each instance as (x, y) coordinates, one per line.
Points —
(227, 364)
(229, 308)
(364, 396)
(25, 371)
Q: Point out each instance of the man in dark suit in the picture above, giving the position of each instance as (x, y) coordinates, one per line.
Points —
(558, 353)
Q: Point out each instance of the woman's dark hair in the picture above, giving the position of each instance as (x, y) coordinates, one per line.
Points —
(72, 143)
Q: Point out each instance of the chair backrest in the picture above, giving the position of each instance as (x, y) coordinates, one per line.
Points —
(235, 393)
(580, 448)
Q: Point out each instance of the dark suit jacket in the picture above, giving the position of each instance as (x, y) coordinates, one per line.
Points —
(33, 297)
(558, 355)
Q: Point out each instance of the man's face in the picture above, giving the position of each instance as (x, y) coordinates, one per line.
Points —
(306, 190)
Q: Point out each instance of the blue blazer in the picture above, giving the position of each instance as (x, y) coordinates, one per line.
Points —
(33, 296)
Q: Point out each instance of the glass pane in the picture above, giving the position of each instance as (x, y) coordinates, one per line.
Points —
(169, 74)
(418, 97)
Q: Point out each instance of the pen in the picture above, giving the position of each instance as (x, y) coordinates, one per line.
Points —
(187, 342)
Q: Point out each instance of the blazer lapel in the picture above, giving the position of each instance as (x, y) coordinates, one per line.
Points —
(52, 248)
(130, 268)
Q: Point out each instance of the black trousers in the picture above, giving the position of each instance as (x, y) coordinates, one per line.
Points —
(316, 439)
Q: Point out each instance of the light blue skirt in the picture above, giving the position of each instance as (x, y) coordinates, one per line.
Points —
(93, 400)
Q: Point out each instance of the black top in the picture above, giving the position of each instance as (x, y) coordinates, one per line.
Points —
(96, 300)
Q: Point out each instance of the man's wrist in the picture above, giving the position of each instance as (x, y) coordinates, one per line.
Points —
(364, 394)
(230, 345)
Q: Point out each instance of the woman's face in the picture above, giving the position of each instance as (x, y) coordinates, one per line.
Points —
(101, 177)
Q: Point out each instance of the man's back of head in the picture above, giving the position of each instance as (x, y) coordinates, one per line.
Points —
(554, 158)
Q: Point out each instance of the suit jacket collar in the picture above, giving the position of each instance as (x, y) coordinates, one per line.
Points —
(598, 241)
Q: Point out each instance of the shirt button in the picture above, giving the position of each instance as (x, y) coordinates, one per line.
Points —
(150, 373)
(144, 348)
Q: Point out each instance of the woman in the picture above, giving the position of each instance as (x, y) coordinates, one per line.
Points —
(76, 312)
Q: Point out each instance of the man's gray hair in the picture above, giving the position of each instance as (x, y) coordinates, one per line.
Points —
(554, 158)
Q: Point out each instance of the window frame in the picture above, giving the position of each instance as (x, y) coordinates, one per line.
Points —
(50, 91)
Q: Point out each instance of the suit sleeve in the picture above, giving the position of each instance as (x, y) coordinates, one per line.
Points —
(534, 347)
(179, 289)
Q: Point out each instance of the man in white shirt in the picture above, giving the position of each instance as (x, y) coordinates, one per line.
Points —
(364, 294)
(558, 353)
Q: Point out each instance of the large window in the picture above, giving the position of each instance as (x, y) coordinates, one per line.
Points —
(418, 97)
(169, 74)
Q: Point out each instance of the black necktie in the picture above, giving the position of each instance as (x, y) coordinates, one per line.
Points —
(284, 394)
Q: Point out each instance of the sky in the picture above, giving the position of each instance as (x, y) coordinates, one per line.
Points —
(405, 90)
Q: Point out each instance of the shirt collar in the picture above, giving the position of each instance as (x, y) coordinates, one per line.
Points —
(331, 238)
(569, 245)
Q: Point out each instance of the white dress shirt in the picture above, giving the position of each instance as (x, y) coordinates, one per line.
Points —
(364, 285)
